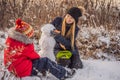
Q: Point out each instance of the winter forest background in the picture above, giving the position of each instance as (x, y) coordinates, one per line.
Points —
(100, 26)
(99, 35)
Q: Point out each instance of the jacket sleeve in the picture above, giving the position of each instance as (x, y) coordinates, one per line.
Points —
(66, 42)
(59, 38)
(30, 52)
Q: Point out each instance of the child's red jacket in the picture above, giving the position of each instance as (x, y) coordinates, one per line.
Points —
(19, 53)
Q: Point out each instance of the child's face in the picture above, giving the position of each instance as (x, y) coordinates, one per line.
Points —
(69, 19)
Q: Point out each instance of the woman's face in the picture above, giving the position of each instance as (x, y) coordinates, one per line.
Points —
(69, 19)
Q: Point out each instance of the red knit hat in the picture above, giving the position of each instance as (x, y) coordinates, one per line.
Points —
(24, 28)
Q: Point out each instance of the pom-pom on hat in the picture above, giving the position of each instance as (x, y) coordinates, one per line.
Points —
(76, 12)
(24, 28)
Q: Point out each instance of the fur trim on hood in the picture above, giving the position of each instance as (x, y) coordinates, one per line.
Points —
(12, 33)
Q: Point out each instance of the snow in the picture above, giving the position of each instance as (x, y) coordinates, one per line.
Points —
(2, 42)
(98, 43)
(92, 70)
(85, 33)
(98, 70)
(105, 40)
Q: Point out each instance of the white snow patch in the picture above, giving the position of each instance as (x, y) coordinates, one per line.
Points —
(105, 40)
(98, 70)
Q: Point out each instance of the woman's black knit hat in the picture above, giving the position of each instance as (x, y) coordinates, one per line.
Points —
(75, 12)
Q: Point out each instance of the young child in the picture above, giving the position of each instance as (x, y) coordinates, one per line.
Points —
(21, 59)
(66, 34)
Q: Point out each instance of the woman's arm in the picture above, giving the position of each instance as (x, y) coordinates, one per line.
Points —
(66, 42)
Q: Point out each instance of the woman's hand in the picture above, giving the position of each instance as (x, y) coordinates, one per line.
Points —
(55, 32)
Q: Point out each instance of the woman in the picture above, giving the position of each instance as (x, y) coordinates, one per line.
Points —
(21, 59)
(66, 33)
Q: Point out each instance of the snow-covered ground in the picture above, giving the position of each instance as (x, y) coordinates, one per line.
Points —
(93, 69)
(98, 70)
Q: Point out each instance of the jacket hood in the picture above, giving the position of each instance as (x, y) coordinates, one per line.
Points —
(12, 33)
